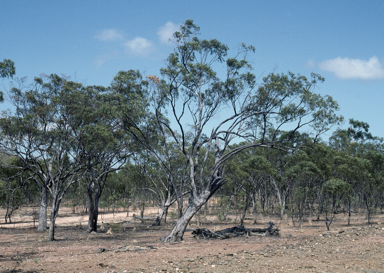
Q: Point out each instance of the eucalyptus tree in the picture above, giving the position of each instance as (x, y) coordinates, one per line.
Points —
(129, 91)
(260, 175)
(361, 154)
(351, 139)
(164, 183)
(306, 175)
(12, 184)
(153, 135)
(194, 94)
(7, 68)
(352, 170)
(322, 156)
(102, 146)
(373, 186)
(278, 165)
(334, 189)
(42, 134)
(242, 182)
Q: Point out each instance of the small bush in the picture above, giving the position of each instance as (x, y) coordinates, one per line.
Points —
(115, 227)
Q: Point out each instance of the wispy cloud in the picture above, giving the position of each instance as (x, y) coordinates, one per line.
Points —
(139, 46)
(165, 32)
(109, 35)
(310, 64)
(101, 59)
(346, 68)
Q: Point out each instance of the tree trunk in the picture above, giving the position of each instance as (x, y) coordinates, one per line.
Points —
(194, 205)
(51, 235)
(245, 209)
(42, 227)
(162, 212)
(349, 212)
(94, 193)
(180, 208)
(228, 205)
(282, 206)
(225, 213)
(52, 219)
(142, 208)
(368, 212)
(127, 206)
(280, 199)
(93, 212)
(253, 198)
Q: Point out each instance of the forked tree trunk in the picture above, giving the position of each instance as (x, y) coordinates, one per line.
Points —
(160, 216)
(164, 210)
(42, 227)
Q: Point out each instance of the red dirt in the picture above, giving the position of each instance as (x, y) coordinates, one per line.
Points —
(135, 247)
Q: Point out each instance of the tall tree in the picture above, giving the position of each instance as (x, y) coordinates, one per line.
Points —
(194, 95)
(103, 147)
(43, 135)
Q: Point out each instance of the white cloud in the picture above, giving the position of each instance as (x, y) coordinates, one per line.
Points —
(165, 32)
(310, 64)
(346, 68)
(101, 59)
(139, 46)
(109, 35)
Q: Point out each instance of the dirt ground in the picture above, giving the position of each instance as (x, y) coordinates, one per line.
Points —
(126, 245)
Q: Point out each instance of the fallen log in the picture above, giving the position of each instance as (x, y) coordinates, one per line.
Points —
(235, 232)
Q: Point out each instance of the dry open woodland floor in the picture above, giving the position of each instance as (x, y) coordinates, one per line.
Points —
(135, 247)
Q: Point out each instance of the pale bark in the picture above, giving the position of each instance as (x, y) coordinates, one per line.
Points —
(56, 201)
(162, 212)
(42, 226)
(246, 205)
(194, 205)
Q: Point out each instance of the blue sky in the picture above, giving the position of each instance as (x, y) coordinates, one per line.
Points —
(92, 40)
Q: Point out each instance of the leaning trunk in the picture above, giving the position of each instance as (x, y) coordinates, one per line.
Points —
(163, 211)
(194, 205)
(42, 227)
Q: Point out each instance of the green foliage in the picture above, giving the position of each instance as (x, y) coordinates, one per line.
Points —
(64, 130)
(336, 187)
(7, 68)
(115, 227)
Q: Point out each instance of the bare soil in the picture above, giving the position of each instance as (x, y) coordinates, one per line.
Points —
(124, 244)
